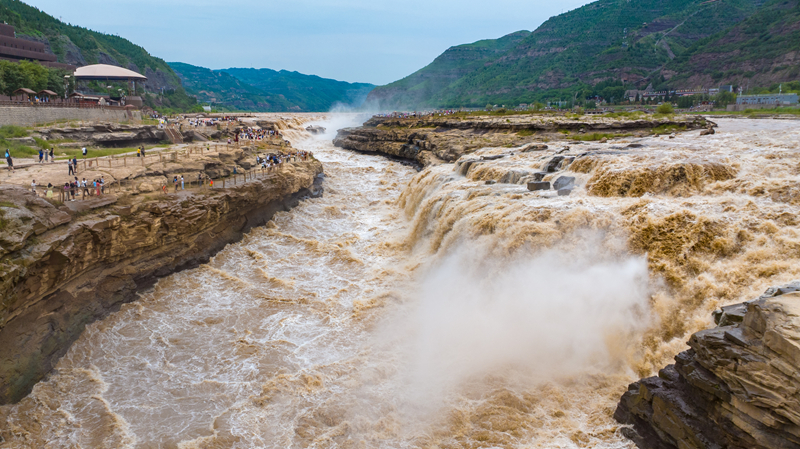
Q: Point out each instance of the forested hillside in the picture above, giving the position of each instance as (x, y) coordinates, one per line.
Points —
(268, 90)
(307, 92)
(78, 46)
(225, 92)
(630, 44)
(761, 50)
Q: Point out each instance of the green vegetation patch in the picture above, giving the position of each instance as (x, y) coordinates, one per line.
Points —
(12, 131)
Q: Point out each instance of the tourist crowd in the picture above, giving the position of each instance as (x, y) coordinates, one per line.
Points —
(417, 114)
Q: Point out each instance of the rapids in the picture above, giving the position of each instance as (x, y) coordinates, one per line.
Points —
(398, 310)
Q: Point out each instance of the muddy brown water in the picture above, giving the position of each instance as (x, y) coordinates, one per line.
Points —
(389, 313)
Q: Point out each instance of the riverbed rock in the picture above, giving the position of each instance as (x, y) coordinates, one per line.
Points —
(737, 387)
(554, 164)
(707, 132)
(564, 182)
(541, 185)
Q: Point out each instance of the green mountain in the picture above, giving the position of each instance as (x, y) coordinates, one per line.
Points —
(622, 43)
(226, 92)
(79, 46)
(307, 92)
(762, 50)
(267, 90)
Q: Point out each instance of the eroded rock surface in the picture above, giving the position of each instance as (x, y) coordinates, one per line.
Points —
(433, 140)
(61, 271)
(115, 135)
(737, 387)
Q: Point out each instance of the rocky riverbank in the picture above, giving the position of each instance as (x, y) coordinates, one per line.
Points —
(115, 135)
(61, 269)
(433, 140)
(737, 386)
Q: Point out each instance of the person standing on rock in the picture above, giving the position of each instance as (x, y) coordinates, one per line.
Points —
(182, 186)
(52, 156)
(175, 183)
(41, 155)
(103, 184)
(83, 150)
(71, 169)
(9, 161)
(138, 152)
(33, 186)
(46, 154)
(85, 188)
(75, 164)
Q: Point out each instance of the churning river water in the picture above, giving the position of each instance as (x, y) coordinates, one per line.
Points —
(337, 326)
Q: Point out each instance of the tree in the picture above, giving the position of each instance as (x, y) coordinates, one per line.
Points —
(723, 99)
(665, 108)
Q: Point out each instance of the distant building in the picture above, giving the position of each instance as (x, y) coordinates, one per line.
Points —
(14, 49)
(771, 99)
(767, 101)
(726, 88)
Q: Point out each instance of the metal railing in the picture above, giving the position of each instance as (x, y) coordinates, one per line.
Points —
(58, 192)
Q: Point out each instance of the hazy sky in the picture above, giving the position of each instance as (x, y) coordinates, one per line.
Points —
(374, 41)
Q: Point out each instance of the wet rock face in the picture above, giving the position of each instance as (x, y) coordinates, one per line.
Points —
(737, 387)
(60, 272)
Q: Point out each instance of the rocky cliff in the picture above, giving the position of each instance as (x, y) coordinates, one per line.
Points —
(115, 135)
(737, 387)
(62, 270)
(432, 139)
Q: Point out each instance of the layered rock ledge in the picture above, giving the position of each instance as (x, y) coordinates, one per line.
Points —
(432, 140)
(62, 270)
(115, 135)
(737, 387)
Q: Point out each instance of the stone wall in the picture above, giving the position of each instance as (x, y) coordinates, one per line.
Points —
(32, 116)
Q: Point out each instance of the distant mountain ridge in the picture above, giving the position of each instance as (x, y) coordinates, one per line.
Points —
(266, 90)
(261, 90)
(669, 43)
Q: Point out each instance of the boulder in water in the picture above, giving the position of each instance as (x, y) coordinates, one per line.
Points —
(564, 192)
(538, 185)
(564, 182)
(315, 129)
(554, 163)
